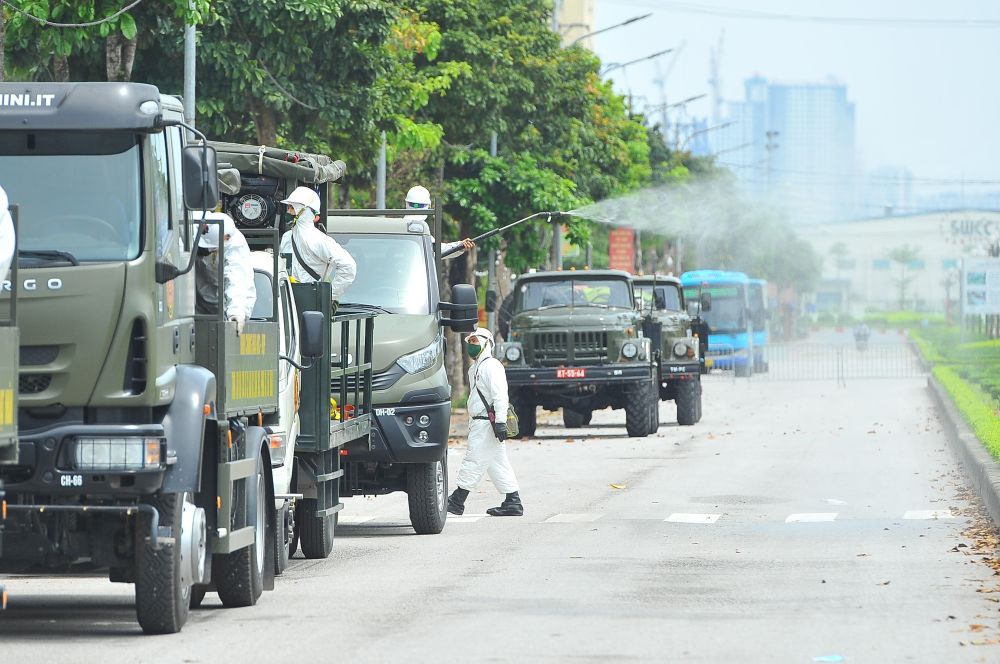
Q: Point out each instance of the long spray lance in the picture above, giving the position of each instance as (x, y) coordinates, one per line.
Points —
(497, 231)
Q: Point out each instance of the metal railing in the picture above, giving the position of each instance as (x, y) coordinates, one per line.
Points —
(841, 362)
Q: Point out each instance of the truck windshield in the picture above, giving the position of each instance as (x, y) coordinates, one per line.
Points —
(76, 193)
(545, 293)
(392, 272)
(729, 308)
(669, 296)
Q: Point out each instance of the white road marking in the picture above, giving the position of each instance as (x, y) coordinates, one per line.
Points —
(345, 520)
(466, 518)
(681, 517)
(811, 517)
(835, 501)
(928, 514)
(573, 518)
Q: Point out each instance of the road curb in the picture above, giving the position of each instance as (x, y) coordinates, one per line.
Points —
(982, 470)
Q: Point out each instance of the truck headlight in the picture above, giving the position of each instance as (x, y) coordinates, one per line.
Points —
(629, 349)
(682, 349)
(111, 454)
(422, 359)
(513, 353)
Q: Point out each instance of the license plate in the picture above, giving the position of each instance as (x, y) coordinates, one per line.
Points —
(571, 373)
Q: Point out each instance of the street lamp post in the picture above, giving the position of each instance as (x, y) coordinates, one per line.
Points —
(610, 27)
(611, 66)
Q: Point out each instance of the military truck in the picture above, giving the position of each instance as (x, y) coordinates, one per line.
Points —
(577, 343)
(141, 446)
(411, 396)
(677, 348)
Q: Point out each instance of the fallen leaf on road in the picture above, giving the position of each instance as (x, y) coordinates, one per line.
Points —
(885, 583)
(872, 432)
(711, 436)
(986, 642)
(862, 555)
(975, 627)
(617, 486)
(569, 440)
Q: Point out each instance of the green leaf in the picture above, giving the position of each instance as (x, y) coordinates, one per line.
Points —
(127, 25)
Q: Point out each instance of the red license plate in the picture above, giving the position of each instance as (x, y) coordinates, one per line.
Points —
(571, 373)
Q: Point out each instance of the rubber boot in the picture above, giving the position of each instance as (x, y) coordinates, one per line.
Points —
(511, 506)
(456, 501)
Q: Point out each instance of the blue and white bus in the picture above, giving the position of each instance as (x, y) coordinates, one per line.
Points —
(730, 340)
(759, 320)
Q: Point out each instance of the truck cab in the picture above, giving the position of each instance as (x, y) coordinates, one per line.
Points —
(411, 395)
(577, 343)
(661, 298)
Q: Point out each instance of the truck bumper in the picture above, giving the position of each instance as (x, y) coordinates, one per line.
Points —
(608, 374)
(396, 436)
(674, 371)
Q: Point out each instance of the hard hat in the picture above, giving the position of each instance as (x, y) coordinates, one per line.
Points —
(303, 196)
(483, 334)
(210, 238)
(418, 197)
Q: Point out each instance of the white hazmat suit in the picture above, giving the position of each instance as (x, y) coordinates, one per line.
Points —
(6, 237)
(316, 252)
(486, 454)
(240, 291)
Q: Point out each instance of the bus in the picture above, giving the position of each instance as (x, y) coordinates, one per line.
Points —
(759, 318)
(730, 341)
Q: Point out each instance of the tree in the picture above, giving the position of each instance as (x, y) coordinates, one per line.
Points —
(904, 255)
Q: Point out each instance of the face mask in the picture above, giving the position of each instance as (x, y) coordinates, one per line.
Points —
(473, 350)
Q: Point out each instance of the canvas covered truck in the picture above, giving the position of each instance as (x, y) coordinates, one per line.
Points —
(141, 441)
(662, 298)
(577, 343)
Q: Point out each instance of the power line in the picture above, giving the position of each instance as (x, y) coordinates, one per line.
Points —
(53, 24)
(876, 22)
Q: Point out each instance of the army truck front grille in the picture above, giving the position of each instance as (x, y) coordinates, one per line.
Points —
(590, 346)
(33, 383)
(33, 356)
(552, 349)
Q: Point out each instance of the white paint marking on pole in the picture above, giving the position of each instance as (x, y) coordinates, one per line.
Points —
(928, 514)
(681, 517)
(573, 518)
(345, 520)
(811, 517)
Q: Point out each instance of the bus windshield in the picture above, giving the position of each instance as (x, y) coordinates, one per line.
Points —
(545, 293)
(392, 272)
(668, 296)
(729, 311)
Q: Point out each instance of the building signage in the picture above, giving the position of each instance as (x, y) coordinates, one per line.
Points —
(621, 249)
(980, 286)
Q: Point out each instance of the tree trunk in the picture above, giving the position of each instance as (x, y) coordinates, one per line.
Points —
(3, 45)
(60, 68)
(265, 123)
(128, 58)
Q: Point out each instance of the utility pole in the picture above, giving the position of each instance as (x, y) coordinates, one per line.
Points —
(491, 268)
(380, 176)
(770, 146)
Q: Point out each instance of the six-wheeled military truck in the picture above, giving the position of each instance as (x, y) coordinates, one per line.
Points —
(662, 299)
(577, 343)
(305, 441)
(411, 395)
(141, 446)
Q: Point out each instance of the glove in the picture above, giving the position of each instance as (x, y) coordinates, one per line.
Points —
(240, 322)
(500, 429)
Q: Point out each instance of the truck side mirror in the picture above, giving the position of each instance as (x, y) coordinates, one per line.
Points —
(311, 334)
(464, 309)
(200, 176)
(706, 302)
(491, 301)
(694, 309)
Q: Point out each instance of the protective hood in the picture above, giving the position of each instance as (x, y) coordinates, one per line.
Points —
(6, 236)
(486, 339)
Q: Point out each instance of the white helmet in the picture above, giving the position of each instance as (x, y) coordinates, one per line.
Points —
(485, 336)
(303, 197)
(210, 238)
(418, 197)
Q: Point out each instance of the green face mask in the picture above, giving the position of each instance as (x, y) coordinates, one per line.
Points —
(473, 350)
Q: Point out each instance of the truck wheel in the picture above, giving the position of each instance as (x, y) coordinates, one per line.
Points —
(574, 419)
(239, 576)
(315, 532)
(163, 577)
(640, 403)
(688, 398)
(427, 492)
(198, 596)
(525, 409)
(282, 539)
(698, 419)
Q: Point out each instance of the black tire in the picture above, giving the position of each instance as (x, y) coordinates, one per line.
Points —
(526, 411)
(687, 396)
(700, 389)
(316, 533)
(239, 576)
(574, 419)
(427, 493)
(162, 594)
(641, 400)
(282, 539)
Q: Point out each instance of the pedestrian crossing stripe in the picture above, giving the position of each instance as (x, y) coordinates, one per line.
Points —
(574, 518)
(682, 517)
(929, 514)
(811, 517)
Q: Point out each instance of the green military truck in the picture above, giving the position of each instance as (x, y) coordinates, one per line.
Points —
(142, 446)
(677, 348)
(577, 343)
(411, 395)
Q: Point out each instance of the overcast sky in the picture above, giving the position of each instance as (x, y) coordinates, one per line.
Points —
(926, 98)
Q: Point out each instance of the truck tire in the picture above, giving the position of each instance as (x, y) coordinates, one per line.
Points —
(198, 596)
(316, 533)
(525, 409)
(688, 400)
(427, 493)
(162, 589)
(641, 400)
(282, 539)
(239, 576)
(574, 419)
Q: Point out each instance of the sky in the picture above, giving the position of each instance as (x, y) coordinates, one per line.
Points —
(926, 98)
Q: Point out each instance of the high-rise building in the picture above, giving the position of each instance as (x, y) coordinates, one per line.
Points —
(575, 18)
(794, 142)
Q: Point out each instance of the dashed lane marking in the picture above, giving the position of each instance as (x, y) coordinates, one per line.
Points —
(811, 517)
(573, 518)
(928, 514)
(681, 517)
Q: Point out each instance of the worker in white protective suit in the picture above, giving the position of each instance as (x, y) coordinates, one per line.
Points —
(315, 255)
(418, 198)
(6, 237)
(237, 269)
(487, 451)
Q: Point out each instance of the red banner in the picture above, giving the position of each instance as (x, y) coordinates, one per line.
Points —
(621, 249)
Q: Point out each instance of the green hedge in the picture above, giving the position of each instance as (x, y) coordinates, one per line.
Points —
(976, 407)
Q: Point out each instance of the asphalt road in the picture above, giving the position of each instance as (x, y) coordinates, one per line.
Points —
(798, 522)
